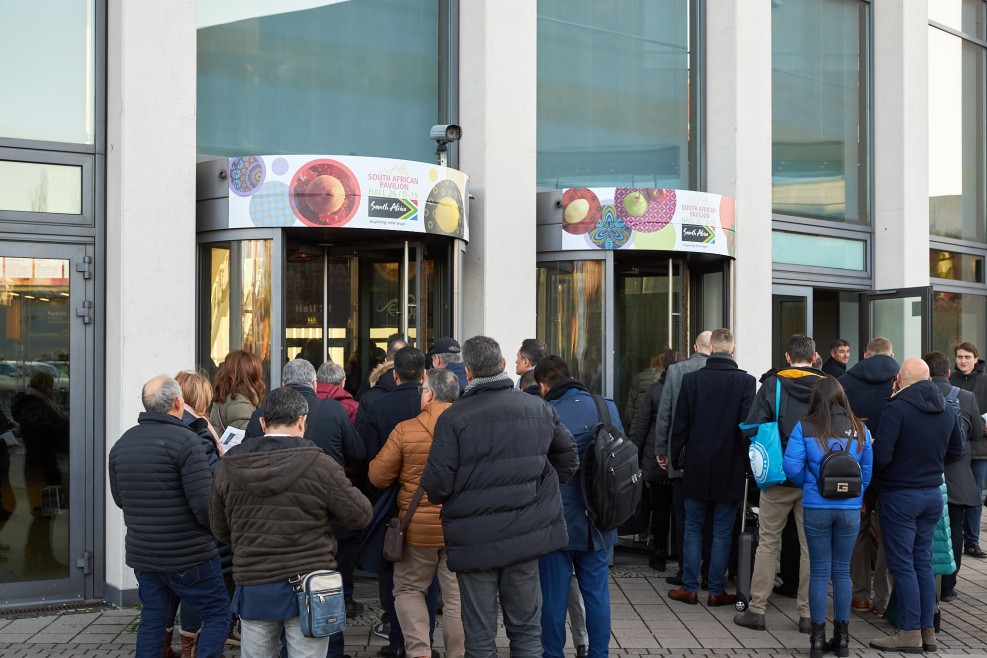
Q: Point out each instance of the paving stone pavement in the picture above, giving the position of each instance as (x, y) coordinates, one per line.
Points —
(644, 621)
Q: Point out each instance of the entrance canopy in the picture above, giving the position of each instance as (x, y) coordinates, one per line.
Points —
(284, 191)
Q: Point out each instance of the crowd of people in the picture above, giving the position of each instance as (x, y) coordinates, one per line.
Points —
(484, 473)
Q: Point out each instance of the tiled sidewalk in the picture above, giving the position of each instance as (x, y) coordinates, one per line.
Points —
(645, 621)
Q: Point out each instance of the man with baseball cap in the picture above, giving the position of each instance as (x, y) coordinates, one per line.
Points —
(446, 353)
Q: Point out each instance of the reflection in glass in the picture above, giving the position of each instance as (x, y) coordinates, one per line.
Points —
(957, 140)
(35, 187)
(956, 266)
(570, 316)
(357, 78)
(789, 315)
(820, 109)
(957, 318)
(900, 321)
(818, 251)
(34, 422)
(613, 93)
(963, 15)
(48, 71)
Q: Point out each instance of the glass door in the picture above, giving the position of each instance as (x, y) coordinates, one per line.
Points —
(902, 316)
(46, 442)
(791, 313)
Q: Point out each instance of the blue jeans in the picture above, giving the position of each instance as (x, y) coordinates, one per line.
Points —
(593, 574)
(971, 518)
(830, 535)
(202, 586)
(908, 523)
(724, 515)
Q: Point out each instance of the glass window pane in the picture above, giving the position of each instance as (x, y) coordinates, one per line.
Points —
(300, 76)
(256, 296)
(47, 70)
(957, 138)
(899, 319)
(818, 251)
(34, 393)
(820, 99)
(957, 318)
(35, 187)
(570, 316)
(964, 15)
(613, 94)
(956, 266)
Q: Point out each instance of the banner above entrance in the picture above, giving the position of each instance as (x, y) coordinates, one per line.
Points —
(649, 219)
(347, 191)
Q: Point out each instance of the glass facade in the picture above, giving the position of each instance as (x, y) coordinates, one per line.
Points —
(48, 70)
(821, 109)
(818, 251)
(957, 141)
(963, 15)
(351, 78)
(41, 188)
(957, 317)
(614, 85)
(956, 266)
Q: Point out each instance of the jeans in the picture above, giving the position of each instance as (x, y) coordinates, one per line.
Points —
(593, 574)
(695, 518)
(260, 639)
(971, 518)
(957, 515)
(775, 504)
(413, 576)
(202, 586)
(520, 602)
(908, 523)
(830, 535)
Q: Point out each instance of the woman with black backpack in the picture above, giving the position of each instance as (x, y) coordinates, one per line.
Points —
(829, 454)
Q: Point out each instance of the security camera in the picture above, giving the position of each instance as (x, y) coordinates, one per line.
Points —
(446, 134)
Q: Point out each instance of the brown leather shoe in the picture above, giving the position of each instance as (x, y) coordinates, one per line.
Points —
(877, 610)
(721, 599)
(858, 604)
(683, 595)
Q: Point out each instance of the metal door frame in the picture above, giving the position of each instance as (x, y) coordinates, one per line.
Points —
(924, 293)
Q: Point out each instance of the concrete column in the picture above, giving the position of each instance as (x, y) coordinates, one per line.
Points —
(901, 144)
(737, 69)
(150, 219)
(498, 112)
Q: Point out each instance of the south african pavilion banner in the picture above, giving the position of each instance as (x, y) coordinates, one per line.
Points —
(329, 191)
(651, 219)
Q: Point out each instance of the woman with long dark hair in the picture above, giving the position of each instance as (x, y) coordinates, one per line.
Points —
(239, 388)
(831, 518)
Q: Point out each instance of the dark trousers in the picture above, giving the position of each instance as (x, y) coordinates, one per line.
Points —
(908, 523)
(791, 553)
(519, 590)
(957, 515)
(661, 515)
(348, 543)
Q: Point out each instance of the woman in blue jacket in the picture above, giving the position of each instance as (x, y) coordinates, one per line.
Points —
(831, 524)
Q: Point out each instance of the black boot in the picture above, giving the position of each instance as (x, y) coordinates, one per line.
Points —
(817, 640)
(840, 644)
(658, 560)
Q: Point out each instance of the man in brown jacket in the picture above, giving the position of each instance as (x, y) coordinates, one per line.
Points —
(273, 498)
(403, 459)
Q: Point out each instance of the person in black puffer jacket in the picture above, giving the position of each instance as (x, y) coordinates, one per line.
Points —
(497, 459)
(655, 478)
(160, 478)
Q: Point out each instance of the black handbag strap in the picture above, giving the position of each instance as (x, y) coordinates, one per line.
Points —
(411, 508)
(313, 412)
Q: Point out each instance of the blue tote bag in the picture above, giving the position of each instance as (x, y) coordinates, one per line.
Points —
(765, 452)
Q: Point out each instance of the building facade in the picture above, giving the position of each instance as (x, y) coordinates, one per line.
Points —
(850, 134)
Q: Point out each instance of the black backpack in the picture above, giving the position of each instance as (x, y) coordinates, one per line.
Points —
(953, 400)
(610, 474)
(839, 473)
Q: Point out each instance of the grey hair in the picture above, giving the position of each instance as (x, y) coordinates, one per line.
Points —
(284, 406)
(451, 357)
(299, 372)
(483, 357)
(443, 383)
(161, 400)
(331, 373)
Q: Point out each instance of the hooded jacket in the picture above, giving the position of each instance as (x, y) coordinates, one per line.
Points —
(796, 389)
(497, 459)
(868, 387)
(915, 440)
(381, 382)
(327, 391)
(273, 498)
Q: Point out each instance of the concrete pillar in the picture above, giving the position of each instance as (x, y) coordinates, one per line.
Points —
(498, 112)
(738, 160)
(901, 144)
(150, 220)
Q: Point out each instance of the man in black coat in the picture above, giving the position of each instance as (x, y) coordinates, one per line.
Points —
(160, 478)
(495, 466)
(868, 387)
(839, 356)
(969, 375)
(710, 451)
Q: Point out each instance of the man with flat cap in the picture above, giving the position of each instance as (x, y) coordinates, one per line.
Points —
(446, 353)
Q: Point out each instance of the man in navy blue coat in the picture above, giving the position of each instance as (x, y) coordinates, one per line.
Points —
(588, 551)
(711, 451)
